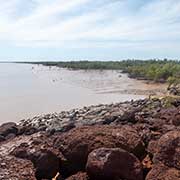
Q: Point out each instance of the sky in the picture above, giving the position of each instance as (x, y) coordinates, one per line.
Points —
(89, 29)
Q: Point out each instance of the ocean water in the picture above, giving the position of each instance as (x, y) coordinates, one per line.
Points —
(28, 90)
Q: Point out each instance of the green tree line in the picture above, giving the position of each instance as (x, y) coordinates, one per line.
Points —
(155, 70)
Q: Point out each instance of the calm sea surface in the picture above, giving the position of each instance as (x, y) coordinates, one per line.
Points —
(29, 90)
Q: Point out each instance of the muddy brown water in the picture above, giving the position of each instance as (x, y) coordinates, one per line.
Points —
(27, 90)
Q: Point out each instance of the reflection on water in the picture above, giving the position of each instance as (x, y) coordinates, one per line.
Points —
(29, 90)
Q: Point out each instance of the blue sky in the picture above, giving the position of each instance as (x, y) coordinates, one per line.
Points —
(89, 29)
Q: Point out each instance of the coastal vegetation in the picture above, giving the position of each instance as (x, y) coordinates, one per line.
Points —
(154, 70)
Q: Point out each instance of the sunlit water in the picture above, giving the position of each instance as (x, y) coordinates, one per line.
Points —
(29, 90)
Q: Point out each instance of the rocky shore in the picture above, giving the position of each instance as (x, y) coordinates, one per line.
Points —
(137, 140)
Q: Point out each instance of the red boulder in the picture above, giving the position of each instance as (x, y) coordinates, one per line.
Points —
(113, 163)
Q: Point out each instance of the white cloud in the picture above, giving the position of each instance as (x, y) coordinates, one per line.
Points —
(63, 23)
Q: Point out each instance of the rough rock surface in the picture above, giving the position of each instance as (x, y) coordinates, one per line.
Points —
(166, 157)
(16, 169)
(113, 163)
(168, 150)
(87, 116)
(33, 150)
(40, 152)
(161, 172)
(79, 176)
(59, 143)
(79, 142)
(8, 129)
(46, 164)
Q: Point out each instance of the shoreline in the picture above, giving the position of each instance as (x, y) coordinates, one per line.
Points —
(80, 144)
(151, 70)
(132, 91)
(69, 66)
(61, 145)
(94, 114)
(59, 94)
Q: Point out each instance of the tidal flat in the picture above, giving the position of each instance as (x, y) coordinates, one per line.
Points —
(28, 90)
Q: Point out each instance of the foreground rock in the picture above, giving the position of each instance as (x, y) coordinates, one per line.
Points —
(35, 154)
(108, 163)
(168, 150)
(87, 116)
(8, 130)
(79, 176)
(46, 164)
(166, 157)
(162, 172)
(174, 89)
(16, 169)
(42, 154)
(146, 132)
(78, 143)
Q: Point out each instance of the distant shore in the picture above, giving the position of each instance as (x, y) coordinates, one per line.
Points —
(135, 69)
(161, 71)
(126, 67)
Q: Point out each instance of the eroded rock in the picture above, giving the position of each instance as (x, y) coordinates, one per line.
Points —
(8, 129)
(46, 164)
(12, 168)
(79, 176)
(41, 153)
(168, 150)
(78, 143)
(61, 142)
(116, 163)
(162, 172)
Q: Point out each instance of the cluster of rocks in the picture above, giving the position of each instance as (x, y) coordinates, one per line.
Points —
(174, 90)
(87, 116)
(137, 140)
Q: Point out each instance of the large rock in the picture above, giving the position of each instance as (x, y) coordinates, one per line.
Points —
(166, 158)
(168, 150)
(40, 152)
(116, 163)
(161, 172)
(2, 138)
(36, 150)
(79, 176)
(169, 116)
(8, 128)
(174, 89)
(176, 118)
(161, 119)
(46, 164)
(27, 130)
(78, 143)
(16, 169)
